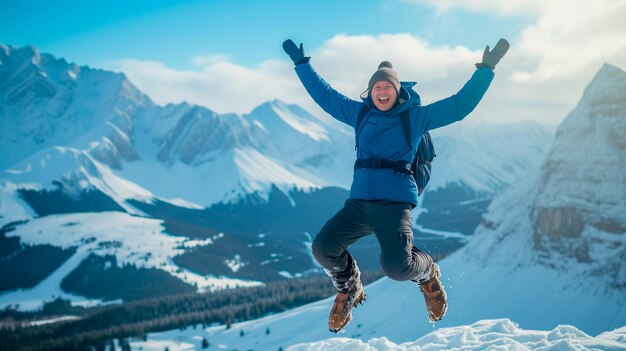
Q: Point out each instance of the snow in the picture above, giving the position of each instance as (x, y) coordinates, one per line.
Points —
(591, 179)
(486, 157)
(54, 104)
(184, 203)
(259, 172)
(301, 124)
(235, 264)
(211, 282)
(49, 288)
(12, 207)
(78, 171)
(441, 233)
(71, 74)
(132, 239)
(494, 334)
(53, 320)
(500, 334)
(201, 185)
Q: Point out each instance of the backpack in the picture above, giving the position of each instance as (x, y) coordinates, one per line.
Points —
(421, 165)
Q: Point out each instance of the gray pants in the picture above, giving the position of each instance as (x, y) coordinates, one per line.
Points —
(391, 221)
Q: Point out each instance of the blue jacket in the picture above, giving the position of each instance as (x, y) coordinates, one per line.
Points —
(381, 135)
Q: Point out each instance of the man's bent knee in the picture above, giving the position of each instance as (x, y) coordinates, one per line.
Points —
(319, 250)
(328, 255)
(398, 271)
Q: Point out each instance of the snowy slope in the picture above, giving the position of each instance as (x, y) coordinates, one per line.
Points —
(304, 329)
(500, 334)
(133, 240)
(497, 334)
(75, 170)
(487, 158)
(318, 148)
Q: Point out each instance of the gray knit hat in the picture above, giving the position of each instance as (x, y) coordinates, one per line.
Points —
(385, 72)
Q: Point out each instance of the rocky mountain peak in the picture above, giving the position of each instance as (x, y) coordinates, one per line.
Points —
(581, 201)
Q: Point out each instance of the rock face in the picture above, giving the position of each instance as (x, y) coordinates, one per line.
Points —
(581, 202)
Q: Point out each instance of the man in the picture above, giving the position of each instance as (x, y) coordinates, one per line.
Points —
(383, 192)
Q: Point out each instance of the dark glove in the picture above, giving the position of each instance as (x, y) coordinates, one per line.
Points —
(491, 58)
(296, 54)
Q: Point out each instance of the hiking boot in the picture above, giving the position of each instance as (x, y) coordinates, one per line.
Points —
(434, 294)
(350, 294)
(341, 313)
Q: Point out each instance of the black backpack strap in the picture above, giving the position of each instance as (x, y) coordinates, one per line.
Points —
(359, 125)
(398, 166)
(406, 126)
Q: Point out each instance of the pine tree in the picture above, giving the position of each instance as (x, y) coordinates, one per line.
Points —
(267, 331)
(125, 345)
(205, 343)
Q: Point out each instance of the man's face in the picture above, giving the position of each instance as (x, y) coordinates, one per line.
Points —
(384, 95)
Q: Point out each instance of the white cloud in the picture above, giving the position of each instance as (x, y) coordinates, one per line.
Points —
(205, 60)
(566, 37)
(541, 78)
(218, 84)
(346, 62)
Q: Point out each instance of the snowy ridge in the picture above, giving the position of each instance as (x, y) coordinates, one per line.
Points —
(75, 171)
(259, 172)
(287, 121)
(51, 102)
(321, 152)
(486, 158)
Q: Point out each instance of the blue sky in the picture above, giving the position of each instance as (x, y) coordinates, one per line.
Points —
(172, 32)
(227, 55)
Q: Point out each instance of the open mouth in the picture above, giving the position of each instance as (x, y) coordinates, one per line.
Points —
(383, 100)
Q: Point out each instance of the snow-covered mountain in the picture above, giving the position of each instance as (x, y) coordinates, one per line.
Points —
(47, 102)
(487, 158)
(82, 144)
(473, 164)
(580, 209)
(529, 261)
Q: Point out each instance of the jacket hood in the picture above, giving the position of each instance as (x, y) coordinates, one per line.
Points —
(407, 97)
